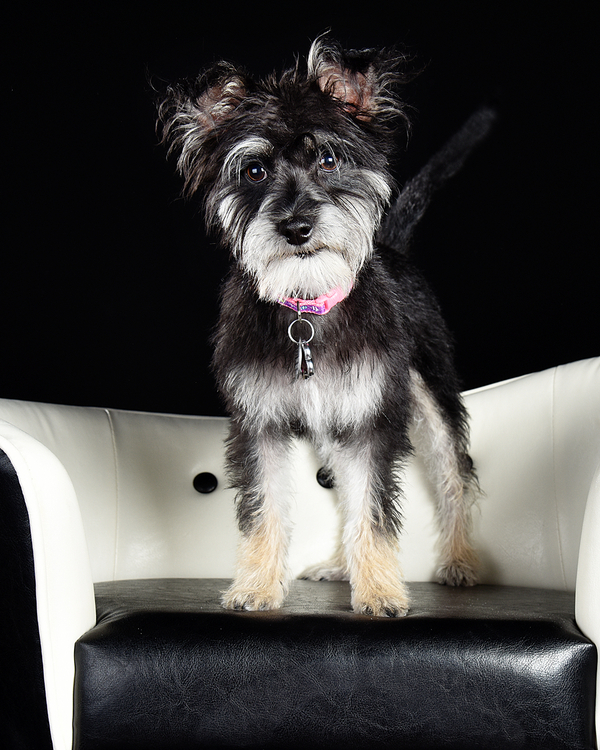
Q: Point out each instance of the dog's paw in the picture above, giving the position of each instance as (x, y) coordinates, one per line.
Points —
(457, 574)
(392, 605)
(325, 571)
(252, 600)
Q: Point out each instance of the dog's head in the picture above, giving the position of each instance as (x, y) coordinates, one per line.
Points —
(294, 170)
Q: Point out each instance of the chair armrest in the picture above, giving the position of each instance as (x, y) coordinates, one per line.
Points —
(587, 598)
(64, 592)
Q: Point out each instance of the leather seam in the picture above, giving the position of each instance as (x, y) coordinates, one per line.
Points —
(117, 493)
(554, 481)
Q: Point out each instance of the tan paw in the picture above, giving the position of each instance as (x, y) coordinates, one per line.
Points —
(457, 574)
(325, 571)
(382, 605)
(252, 600)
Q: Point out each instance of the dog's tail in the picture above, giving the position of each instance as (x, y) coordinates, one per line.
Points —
(408, 209)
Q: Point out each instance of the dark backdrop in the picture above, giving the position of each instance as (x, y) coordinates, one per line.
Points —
(108, 287)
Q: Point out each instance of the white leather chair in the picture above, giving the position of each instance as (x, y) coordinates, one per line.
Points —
(109, 496)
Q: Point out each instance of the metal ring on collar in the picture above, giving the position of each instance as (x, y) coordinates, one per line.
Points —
(308, 323)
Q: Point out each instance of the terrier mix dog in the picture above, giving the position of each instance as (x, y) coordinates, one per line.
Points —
(323, 333)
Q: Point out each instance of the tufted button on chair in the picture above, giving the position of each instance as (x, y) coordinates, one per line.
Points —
(118, 533)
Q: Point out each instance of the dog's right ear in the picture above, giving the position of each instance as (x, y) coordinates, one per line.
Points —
(193, 112)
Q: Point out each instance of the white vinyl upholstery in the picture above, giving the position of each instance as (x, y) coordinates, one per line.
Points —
(110, 496)
(64, 594)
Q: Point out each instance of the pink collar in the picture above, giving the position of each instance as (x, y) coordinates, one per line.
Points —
(319, 306)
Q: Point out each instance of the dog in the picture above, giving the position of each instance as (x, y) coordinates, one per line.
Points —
(324, 333)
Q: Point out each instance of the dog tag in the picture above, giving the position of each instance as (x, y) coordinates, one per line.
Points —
(305, 367)
(304, 363)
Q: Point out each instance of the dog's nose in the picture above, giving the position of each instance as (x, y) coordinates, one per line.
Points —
(296, 231)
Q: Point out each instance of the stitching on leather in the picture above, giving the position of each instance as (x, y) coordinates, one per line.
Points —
(117, 494)
(554, 482)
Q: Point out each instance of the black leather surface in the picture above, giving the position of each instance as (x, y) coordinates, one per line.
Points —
(487, 667)
(23, 716)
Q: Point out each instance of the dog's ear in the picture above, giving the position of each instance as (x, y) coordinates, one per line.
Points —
(364, 82)
(221, 91)
(192, 112)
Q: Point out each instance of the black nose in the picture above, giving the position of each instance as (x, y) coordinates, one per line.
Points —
(296, 231)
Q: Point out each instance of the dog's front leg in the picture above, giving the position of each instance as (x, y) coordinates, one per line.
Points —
(258, 463)
(368, 491)
(377, 585)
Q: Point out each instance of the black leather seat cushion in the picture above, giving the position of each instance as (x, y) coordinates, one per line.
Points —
(487, 667)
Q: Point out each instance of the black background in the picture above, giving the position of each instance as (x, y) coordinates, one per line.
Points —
(108, 287)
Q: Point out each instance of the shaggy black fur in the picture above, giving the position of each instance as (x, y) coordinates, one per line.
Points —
(294, 175)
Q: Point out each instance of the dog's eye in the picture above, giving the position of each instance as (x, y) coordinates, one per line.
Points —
(255, 172)
(328, 162)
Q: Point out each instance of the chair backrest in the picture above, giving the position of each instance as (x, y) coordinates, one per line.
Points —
(536, 446)
(535, 442)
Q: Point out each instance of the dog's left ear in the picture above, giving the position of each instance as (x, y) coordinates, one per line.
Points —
(364, 82)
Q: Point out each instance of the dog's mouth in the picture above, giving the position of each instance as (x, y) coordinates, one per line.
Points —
(308, 252)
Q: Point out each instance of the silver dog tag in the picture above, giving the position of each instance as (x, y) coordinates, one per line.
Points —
(305, 367)
(304, 363)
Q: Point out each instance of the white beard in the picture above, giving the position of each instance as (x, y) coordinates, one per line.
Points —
(337, 250)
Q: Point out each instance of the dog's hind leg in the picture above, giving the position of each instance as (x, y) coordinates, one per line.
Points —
(443, 448)
(334, 568)
(259, 465)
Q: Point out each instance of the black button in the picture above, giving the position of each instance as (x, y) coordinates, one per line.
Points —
(205, 482)
(325, 479)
